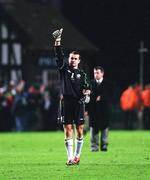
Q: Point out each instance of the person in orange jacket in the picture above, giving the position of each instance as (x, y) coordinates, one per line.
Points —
(130, 98)
(130, 101)
(146, 104)
(146, 96)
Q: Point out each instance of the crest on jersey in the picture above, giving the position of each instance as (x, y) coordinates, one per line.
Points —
(78, 76)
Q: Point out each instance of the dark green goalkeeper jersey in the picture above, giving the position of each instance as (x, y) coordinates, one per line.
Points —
(73, 81)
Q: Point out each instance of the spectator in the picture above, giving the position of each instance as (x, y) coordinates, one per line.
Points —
(19, 108)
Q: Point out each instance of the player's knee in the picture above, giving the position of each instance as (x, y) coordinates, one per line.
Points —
(80, 132)
(68, 131)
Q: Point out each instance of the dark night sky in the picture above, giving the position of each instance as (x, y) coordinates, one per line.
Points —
(116, 28)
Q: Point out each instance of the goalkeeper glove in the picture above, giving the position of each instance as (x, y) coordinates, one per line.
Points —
(87, 99)
(57, 34)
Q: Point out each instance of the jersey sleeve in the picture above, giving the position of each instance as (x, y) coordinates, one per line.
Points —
(86, 81)
(59, 56)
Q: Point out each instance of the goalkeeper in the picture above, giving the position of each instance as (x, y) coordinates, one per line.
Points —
(75, 90)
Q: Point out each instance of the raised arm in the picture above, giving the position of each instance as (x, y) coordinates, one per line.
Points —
(58, 48)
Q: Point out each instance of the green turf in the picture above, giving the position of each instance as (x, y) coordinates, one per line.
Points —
(42, 156)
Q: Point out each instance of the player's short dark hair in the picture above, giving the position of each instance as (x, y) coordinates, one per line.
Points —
(75, 53)
(99, 67)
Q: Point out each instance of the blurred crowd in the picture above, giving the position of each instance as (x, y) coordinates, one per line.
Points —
(28, 108)
(35, 107)
(135, 101)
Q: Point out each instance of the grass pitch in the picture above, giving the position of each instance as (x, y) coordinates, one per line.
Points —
(42, 156)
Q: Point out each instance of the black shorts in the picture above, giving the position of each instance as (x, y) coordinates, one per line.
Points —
(73, 112)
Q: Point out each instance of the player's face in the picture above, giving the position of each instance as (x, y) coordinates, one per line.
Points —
(98, 74)
(74, 60)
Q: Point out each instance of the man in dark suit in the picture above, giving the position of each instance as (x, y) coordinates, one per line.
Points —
(99, 110)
